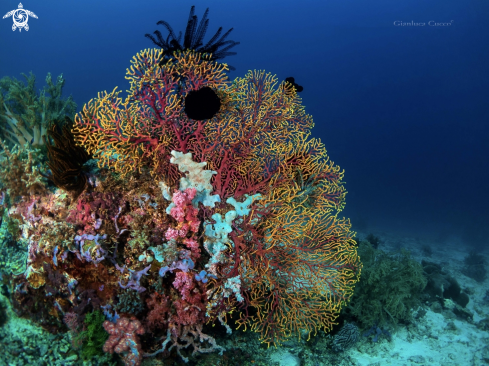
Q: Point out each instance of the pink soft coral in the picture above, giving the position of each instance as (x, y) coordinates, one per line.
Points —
(184, 211)
(189, 312)
(175, 234)
(193, 245)
(190, 308)
(184, 283)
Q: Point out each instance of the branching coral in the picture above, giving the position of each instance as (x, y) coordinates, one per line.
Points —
(150, 123)
(25, 116)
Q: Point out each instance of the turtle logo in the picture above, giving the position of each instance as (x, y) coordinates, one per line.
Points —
(20, 17)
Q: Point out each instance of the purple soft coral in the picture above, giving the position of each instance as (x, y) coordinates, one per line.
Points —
(134, 279)
(184, 265)
(97, 249)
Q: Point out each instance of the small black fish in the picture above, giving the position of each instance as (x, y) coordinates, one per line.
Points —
(297, 87)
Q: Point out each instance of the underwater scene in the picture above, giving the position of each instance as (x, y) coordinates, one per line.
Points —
(244, 183)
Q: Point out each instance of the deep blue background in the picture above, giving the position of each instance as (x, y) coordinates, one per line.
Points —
(404, 110)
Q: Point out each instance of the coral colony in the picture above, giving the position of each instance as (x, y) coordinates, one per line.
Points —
(137, 219)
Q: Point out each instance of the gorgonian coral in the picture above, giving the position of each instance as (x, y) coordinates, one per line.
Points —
(235, 212)
(271, 227)
(150, 123)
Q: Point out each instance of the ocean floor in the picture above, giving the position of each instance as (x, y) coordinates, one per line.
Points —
(439, 335)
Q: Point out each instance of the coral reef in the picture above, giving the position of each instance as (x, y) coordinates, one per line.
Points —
(25, 344)
(13, 254)
(130, 302)
(20, 175)
(231, 219)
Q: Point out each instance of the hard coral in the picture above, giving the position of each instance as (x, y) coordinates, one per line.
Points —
(130, 302)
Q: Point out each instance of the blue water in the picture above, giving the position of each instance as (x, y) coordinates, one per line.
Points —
(403, 109)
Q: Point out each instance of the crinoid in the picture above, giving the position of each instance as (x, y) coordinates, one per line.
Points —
(193, 39)
(66, 159)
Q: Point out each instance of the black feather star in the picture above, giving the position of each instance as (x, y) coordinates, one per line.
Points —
(66, 159)
(298, 88)
(193, 39)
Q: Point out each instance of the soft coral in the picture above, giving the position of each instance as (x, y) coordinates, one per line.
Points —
(123, 338)
(159, 305)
